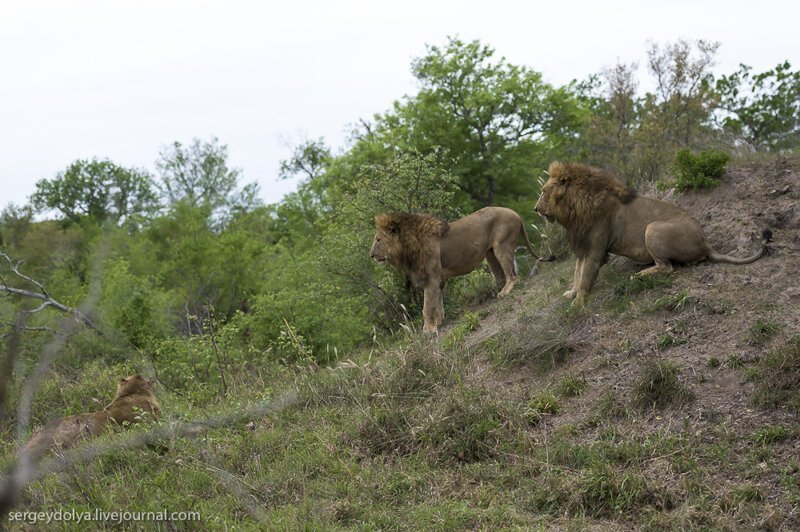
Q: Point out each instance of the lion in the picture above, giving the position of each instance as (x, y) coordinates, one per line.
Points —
(133, 398)
(429, 251)
(602, 215)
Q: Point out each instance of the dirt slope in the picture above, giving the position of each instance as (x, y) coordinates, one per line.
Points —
(727, 318)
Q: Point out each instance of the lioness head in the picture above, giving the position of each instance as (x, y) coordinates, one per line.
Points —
(135, 384)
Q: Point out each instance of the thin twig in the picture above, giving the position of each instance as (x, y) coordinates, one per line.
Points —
(217, 351)
(43, 295)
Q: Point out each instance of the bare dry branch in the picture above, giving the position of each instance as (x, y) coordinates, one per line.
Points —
(42, 295)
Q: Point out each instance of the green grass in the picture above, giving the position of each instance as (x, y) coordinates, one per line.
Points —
(666, 341)
(761, 331)
(673, 302)
(772, 435)
(570, 385)
(454, 337)
(658, 386)
(416, 433)
(777, 376)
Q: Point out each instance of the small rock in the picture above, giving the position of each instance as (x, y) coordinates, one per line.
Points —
(792, 294)
(775, 192)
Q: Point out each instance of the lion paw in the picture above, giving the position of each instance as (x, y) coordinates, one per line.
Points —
(570, 294)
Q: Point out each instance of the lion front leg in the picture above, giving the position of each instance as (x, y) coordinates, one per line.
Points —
(432, 307)
(570, 294)
(590, 266)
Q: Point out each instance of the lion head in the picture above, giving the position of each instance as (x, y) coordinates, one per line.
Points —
(575, 194)
(406, 240)
(135, 384)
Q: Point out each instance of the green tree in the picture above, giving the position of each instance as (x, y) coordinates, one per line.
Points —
(300, 213)
(309, 161)
(609, 137)
(497, 123)
(201, 264)
(15, 222)
(199, 175)
(98, 190)
(684, 95)
(676, 115)
(763, 109)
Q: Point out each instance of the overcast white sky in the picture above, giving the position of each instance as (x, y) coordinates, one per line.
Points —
(121, 79)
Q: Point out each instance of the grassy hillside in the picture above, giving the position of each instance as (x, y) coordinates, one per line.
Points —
(667, 402)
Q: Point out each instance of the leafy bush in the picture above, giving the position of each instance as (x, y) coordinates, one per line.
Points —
(132, 306)
(700, 171)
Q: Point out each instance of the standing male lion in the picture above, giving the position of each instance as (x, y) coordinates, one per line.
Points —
(602, 215)
(429, 251)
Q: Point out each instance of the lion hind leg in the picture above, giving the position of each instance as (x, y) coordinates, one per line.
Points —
(506, 261)
(670, 242)
(496, 269)
(660, 267)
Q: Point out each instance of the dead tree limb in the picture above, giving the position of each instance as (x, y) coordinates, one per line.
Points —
(42, 295)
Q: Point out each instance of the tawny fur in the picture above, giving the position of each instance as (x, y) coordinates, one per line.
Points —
(603, 215)
(134, 396)
(429, 251)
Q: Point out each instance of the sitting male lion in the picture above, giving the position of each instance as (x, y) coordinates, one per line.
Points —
(134, 396)
(602, 215)
(429, 251)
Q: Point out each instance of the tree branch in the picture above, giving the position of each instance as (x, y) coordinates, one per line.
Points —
(42, 295)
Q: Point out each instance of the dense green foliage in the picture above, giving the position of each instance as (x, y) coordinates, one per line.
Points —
(762, 109)
(700, 170)
(98, 191)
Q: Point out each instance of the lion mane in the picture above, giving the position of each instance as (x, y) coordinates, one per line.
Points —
(602, 215)
(429, 250)
(415, 242)
(589, 196)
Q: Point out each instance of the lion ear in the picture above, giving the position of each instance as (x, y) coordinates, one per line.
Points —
(388, 223)
(558, 172)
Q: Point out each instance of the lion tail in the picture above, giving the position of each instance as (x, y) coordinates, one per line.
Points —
(532, 252)
(766, 236)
